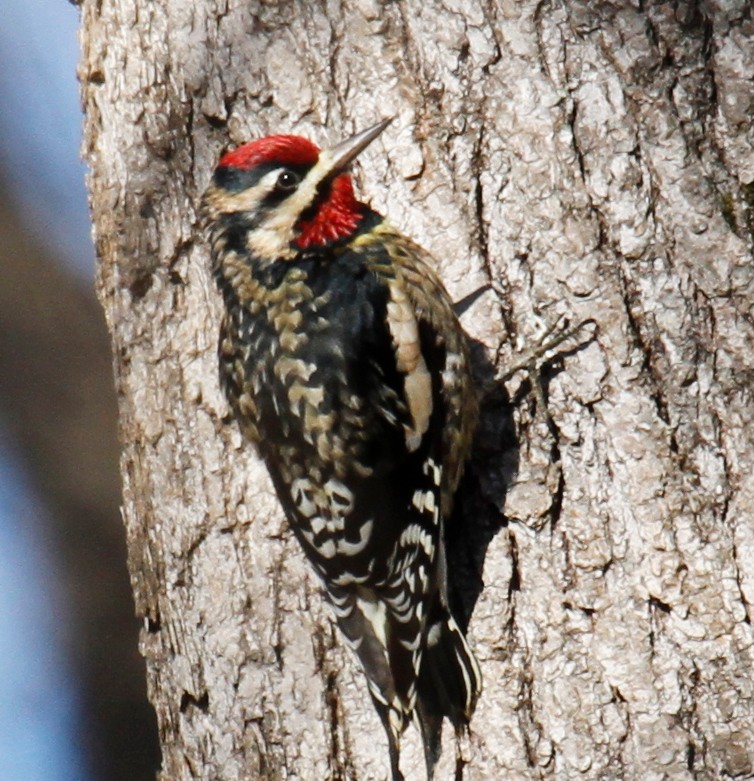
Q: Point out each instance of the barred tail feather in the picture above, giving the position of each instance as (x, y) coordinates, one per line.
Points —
(449, 684)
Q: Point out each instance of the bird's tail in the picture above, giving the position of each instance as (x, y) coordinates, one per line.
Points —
(449, 683)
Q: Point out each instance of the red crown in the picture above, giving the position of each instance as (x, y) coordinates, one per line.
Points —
(288, 150)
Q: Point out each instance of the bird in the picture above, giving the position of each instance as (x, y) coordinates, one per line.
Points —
(345, 365)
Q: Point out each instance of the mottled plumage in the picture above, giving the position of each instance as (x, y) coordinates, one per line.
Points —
(345, 365)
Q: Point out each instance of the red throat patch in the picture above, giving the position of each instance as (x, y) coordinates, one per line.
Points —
(336, 218)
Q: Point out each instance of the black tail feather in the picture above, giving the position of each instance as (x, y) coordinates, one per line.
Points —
(448, 686)
(430, 723)
(448, 681)
(393, 739)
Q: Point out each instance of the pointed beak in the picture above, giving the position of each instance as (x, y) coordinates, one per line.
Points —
(338, 158)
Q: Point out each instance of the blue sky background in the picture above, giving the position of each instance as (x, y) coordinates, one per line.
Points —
(40, 130)
(40, 124)
(38, 707)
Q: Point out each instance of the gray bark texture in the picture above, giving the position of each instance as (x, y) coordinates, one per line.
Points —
(594, 160)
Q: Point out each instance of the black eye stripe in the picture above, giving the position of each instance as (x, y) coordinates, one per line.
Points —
(236, 180)
(322, 194)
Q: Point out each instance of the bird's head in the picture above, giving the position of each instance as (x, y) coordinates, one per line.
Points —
(289, 194)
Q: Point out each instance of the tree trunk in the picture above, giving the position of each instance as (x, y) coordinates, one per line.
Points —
(594, 160)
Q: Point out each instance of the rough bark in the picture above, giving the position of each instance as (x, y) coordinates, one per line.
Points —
(595, 160)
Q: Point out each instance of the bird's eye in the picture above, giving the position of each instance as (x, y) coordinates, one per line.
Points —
(286, 181)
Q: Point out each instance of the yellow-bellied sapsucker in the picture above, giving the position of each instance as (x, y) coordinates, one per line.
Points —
(345, 364)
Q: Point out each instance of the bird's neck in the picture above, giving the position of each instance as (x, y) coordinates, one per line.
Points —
(334, 218)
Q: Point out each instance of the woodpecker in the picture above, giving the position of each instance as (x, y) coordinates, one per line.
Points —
(345, 365)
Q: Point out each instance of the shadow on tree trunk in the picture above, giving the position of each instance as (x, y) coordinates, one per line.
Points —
(478, 508)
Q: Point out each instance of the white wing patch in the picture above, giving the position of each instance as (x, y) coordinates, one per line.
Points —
(417, 381)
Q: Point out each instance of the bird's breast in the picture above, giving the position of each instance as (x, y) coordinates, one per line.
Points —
(292, 358)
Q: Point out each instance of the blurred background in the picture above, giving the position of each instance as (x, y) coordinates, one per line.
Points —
(72, 686)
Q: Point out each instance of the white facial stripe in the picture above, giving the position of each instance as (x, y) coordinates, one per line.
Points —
(248, 200)
(286, 216)
(274, 236)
